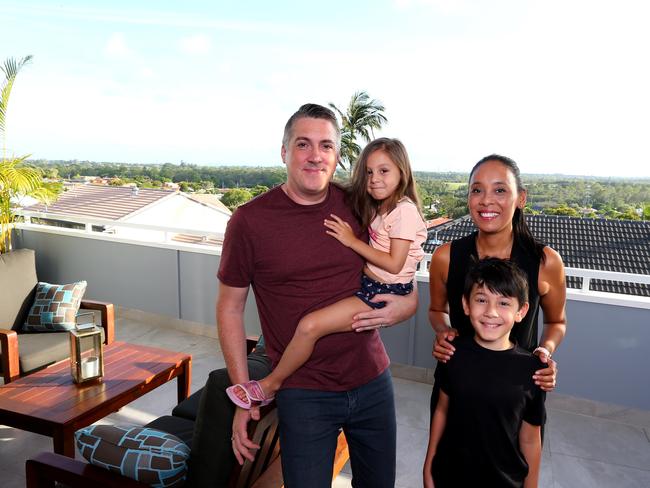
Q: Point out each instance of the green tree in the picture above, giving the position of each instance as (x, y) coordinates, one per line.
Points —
(259, 189)
(562, 210)
(362, 117)
(628, 213)
(17, 179)
(235, 197)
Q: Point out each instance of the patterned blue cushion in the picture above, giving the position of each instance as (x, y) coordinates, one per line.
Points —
(55, 307)
(147, 455)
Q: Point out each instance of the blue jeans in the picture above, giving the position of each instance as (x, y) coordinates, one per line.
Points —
(309, 425)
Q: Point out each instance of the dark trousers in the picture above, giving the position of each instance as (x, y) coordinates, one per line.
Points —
(211, 459)
(310, 421)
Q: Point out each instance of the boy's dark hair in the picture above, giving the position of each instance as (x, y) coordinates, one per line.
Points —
(499, 276)
(311, 111)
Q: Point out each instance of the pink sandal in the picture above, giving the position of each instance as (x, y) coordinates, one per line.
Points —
(254, 395)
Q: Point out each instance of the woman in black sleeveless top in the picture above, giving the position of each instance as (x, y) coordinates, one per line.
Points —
(496, 199)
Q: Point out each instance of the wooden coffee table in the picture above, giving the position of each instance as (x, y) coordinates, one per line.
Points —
(49, 403)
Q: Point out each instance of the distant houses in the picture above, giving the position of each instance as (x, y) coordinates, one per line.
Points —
(144, 206)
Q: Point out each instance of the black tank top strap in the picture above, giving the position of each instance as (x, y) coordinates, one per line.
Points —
(526, 331)
(461, 254)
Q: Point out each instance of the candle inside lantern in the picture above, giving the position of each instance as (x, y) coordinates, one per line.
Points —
(90, 367)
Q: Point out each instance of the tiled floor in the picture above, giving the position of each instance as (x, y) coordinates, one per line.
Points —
(588, 444)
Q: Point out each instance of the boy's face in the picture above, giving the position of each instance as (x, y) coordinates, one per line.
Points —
(493, 316)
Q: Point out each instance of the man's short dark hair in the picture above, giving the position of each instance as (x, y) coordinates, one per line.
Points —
(499, 276)
(312, 111)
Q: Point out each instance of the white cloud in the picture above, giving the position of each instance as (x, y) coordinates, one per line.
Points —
(145, 72)
(444, 6)
(116, 46)
(196, 45)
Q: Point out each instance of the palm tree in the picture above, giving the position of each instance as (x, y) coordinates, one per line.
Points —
(362, 117)
(10, 69)
(16, 178)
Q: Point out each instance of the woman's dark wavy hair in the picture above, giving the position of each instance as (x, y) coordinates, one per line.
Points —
(520, 228)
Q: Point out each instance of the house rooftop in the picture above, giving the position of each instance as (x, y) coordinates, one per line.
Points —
(607, 245)
(106, 202)
(210, 200)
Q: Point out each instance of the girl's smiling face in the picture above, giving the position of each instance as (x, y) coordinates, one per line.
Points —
(383, 176)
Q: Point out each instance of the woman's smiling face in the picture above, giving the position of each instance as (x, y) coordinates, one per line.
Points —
(493, 197)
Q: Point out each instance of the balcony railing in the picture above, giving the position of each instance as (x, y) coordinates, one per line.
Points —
(606, 344)
(165, 235)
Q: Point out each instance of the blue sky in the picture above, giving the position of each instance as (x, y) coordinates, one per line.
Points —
(560, 86)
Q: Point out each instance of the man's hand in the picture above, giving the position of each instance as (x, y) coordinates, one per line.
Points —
(442, 348)
(398, 308)
(241, 444)
(340, 230)
(546, 378)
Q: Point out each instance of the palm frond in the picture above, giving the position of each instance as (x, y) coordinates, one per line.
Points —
(363, 115)
(10, 69)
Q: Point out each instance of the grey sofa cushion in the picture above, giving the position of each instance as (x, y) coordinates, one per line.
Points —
(17, 282)
(42, 349)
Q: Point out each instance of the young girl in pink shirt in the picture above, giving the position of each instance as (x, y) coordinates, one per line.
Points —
(384, 196)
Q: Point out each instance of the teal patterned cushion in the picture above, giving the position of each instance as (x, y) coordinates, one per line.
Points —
(55, 307)
(147, 455)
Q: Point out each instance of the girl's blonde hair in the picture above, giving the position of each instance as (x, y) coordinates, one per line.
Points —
(363, 204)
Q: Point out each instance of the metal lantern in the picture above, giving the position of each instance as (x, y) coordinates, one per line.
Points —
(86, 349)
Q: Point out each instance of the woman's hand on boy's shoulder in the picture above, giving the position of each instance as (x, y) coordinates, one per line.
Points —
(546, 378)
(442, 347)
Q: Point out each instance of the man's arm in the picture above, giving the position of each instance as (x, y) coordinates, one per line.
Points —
(439, 304)
(398, 308)
(530, 443)
(232, 337)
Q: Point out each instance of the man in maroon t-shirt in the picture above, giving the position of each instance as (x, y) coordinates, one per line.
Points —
(277, 244)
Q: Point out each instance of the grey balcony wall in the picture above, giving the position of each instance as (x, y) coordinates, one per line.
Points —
(198, 286)
(604, 356)
(141, 277)
(169, 282)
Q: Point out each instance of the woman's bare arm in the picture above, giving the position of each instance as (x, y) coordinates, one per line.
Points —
(438, 304)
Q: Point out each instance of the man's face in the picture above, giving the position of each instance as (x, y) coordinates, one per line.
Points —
(311, 157)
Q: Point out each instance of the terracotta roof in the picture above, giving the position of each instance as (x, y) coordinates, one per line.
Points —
(107, 202)
(436, 222)
(608, 245)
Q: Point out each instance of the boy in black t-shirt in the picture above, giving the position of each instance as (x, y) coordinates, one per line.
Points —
(486, 427)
